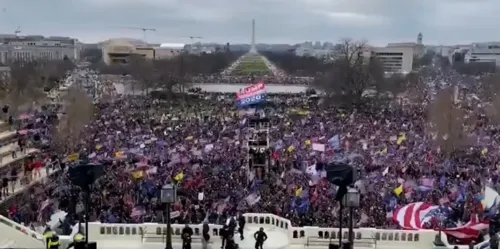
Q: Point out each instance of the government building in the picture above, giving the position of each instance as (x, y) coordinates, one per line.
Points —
(35, 47)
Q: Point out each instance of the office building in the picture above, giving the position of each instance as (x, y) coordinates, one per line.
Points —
(395, 59)
(483, 52)
(29, 48)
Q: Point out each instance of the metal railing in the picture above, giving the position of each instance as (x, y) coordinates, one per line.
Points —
(334, 239)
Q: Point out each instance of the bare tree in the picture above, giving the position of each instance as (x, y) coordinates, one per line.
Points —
(22, 89)
(489, 92)
(351, 74)
(143, 71)
(91, 55)
(449, 122)
(53, 72)
(79, 112)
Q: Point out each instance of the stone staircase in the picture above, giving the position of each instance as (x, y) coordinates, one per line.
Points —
(9, 149)
(15, 235)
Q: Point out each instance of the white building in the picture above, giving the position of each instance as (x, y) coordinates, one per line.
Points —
(394, 59)
(319, 53)
(418, 50)
(33, 47)
(444, 51)
(489, 52)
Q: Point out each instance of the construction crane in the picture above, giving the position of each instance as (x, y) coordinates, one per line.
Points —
(144, 30)
(194, 37)
(192, 41)
(18, 30)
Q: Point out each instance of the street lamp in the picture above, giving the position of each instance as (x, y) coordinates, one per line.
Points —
(351, 200)
(168, 196)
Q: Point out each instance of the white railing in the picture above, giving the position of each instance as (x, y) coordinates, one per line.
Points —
(134, 233)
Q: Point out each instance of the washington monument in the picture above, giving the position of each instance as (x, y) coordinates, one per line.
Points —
(253, 49)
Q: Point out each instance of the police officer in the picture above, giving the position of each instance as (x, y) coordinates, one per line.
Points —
(260, 236)
(78, 241)
(53, 242)
(48, 235)
(187, 233)
(241, 225)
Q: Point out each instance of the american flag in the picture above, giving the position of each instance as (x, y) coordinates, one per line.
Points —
(416, 216)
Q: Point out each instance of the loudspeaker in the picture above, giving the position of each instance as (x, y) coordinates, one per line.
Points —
(83, 175)
(333, 246)
(342, 175)
(92, 245)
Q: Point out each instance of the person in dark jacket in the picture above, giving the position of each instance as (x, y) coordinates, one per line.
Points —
(187, 233)
(241, 225)
(231, 244)
(224, 234)
(205, 233)
(260, 236)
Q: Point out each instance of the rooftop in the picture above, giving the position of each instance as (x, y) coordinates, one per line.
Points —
(485, 50)
(402, 44)
(9, 37)
(132, 41)
(173, 45)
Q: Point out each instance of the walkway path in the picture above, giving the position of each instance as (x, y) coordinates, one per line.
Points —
(6, 134)
(8, 148)
(8, 159)
(21, 187)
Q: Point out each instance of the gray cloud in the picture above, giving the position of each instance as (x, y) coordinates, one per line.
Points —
(287, 21)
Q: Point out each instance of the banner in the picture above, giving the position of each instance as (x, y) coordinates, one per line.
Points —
(253, 94)
(252, 199)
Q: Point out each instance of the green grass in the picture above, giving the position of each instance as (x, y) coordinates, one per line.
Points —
(251, 65)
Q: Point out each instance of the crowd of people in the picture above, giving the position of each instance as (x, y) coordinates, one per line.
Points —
(199, 144)
(267, 78)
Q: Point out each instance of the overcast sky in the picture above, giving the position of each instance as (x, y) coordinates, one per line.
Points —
(277, 21)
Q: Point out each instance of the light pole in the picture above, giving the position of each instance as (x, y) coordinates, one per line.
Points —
(168, 196)
(351, 200)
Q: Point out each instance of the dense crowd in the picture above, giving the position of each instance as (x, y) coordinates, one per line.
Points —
(269, 79)
(198, 143)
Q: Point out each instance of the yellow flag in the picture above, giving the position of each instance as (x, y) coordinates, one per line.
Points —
(401, 139)
(137, 174)
(291, 148)
(384, 151)
(119, 154)
(190, 138)
(98, 147)
(298, 192)
(399, 190)
(484, 151)
(308, 142)
(73, 157)
(179, 177)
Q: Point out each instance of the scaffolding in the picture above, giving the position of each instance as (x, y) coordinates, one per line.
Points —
(258, 153)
